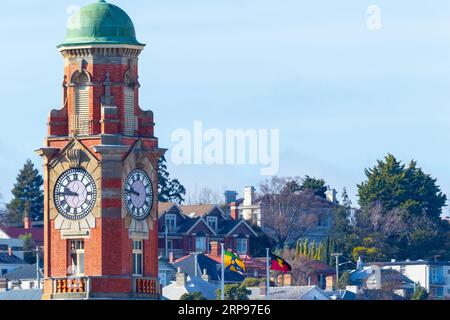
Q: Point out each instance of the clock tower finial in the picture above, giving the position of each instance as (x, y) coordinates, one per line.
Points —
(101, 167)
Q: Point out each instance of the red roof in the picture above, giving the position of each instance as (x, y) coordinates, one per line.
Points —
(15, 233)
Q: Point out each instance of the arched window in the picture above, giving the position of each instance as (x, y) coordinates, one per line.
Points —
(82, 116)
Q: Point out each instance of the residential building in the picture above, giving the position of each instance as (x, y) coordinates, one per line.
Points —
(20, 295)
(10, 235)
(9, 262)
(434, 276)
(187, 229)
(289, 293)
(166, 272)
(24, 278)
(252, 208)
(185, 284)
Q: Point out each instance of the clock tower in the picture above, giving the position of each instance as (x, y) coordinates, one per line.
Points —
(100, 167)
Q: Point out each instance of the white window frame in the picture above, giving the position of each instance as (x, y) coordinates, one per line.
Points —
(212, 222)
(76, 258)
(239, 243)
(138, 252)
(171, 227)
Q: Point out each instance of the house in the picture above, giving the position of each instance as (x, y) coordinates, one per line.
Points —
(187, 229)
(9, 262)
(373, 277)
(24, 278)
(252, 208)
(196, 265)
(434, 276)
(185, 284)
(289, 293)
(15, 245)
(166, 272)
(14, 231)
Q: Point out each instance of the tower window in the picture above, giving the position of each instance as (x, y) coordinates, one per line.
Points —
(129, 117)
(81, 118)
(76, 258)
(138, 254)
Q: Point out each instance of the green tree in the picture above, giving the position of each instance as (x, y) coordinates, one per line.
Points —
(28, 189)
(252, 282)
(235, 292)
(170, 190)
(192, 296)
(344, 280)
(313, 184)
(396, 186)
(29, 248)
(420, 294)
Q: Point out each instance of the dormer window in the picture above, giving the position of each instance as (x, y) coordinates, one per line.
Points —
(212, 222)
(171, 223)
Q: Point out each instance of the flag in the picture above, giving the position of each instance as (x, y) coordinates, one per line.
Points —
(279, 264)
(233, 263)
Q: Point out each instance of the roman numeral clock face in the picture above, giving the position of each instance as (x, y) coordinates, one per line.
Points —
(75, 194)
(138, 194)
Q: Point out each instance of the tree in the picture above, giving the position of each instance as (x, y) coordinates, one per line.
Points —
(28, 189)
(193, 296)
(344, 280)
(420, 293)
(234, 292)
(396, 186)
(316, 185)
(29, 248)
(170, 190)
(287, 214)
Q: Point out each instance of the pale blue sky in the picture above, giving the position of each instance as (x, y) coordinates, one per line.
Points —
(342, 96)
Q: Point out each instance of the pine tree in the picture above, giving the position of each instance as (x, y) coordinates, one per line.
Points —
(28, 189)
(169, 190)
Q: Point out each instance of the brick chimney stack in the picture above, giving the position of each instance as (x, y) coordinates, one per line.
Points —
(27, 222)
(215, 249)
(181, 278)
(234, 212)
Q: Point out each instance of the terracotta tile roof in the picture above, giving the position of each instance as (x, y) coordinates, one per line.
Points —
(195, 210)
(15, 233)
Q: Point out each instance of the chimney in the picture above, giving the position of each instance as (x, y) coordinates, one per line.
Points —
(230, 197)
(27, 223)
(249, 196)
(3, 285)
(215, 249)
(331, 195)
(10, 252)
(263, 289)
(180, 278)
(205, 275)
(171, 257)
(234, 212)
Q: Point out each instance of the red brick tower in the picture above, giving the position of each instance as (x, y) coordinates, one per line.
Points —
(100, 167)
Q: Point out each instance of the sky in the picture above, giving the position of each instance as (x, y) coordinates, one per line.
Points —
(341, 95)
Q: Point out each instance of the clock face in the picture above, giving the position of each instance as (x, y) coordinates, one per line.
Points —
(75, 194)
(138, 194)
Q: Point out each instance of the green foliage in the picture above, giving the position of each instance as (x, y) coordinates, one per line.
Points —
(252, 282)
(320, 251)
(396, 186)
(170, 190)
(236, 292)
(344, 280)
(28, 189)
(313, 184)
(29, 248)
(192, 296)
(420, 293)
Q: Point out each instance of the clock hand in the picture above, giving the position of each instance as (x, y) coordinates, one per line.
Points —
(68, 192)
(132, 191)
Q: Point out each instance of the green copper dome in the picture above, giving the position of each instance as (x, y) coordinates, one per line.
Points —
(100, 23)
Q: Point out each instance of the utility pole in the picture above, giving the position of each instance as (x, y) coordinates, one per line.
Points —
(167, 240)
(38, 276)
(337, 255)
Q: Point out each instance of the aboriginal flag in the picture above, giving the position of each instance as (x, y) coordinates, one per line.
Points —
(278, 264)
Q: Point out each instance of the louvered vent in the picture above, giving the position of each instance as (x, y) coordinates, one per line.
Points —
(130, 119)
(81, 119)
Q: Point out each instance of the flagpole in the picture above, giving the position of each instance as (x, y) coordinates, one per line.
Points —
(223, 273)
(267, 275)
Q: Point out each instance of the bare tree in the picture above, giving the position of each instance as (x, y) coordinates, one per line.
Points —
(302, 267)
(204, 196)
(287, 214)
